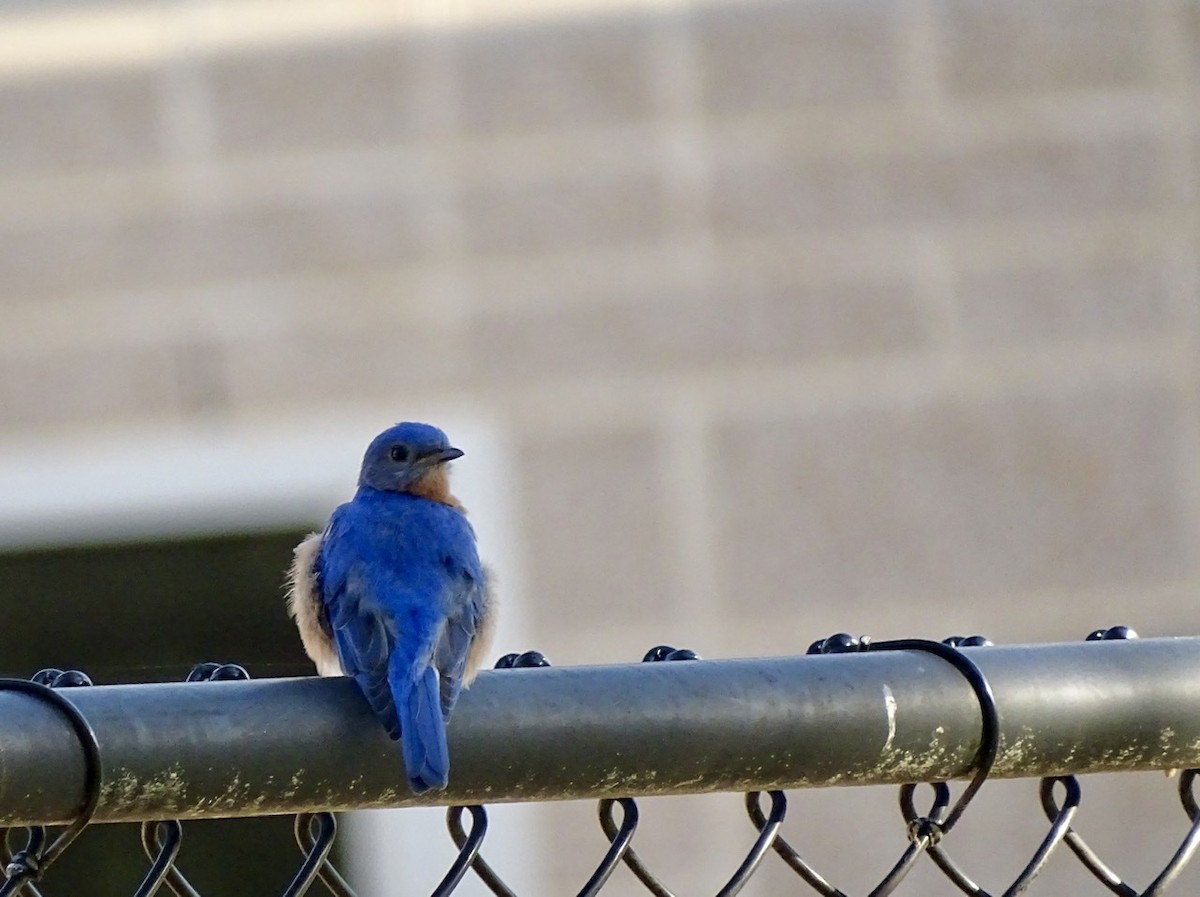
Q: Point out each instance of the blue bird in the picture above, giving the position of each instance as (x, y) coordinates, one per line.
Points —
(393, 594)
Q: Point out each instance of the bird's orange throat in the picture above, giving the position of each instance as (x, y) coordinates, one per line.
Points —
(435, 486)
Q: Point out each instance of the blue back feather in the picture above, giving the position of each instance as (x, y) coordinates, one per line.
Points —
(403, 590)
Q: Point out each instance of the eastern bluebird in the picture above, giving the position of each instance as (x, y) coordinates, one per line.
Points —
(393, 594)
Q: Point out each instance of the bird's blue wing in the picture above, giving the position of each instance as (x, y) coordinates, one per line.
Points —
(469, 603)
(363, 632)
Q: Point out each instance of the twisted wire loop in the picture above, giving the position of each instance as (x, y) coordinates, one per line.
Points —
(629, 856)
(315, 848)
(35, 838)
(211, 671)
(767, 835)
(1187, 847)
(310, 844)
(925, 833)
(161, 841)
(468, 853)
(666, 652)
(619, 839)
(28, 864)
(788, 853)
(930, 827)
(527, 660)
(1060, 820)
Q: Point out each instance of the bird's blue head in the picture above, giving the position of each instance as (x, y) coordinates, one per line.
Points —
(408, 457)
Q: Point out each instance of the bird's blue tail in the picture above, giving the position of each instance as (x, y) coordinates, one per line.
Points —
(422, 730)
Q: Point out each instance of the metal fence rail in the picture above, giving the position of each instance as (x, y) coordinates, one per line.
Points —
(898, 713)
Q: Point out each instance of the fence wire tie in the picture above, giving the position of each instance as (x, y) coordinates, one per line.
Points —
(926, 832)
(30, 863)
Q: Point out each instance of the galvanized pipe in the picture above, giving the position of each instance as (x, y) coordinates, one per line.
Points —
(268, 746)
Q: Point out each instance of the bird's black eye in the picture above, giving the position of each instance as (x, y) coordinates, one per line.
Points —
(400, 453)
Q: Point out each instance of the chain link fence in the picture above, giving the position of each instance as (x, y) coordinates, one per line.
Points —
(1049, 712)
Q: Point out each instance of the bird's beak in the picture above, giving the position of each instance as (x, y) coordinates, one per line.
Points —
(441, 456)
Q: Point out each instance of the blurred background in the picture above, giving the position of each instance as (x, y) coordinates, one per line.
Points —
(758, 321)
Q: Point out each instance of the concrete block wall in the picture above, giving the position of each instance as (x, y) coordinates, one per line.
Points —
(803, 316)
